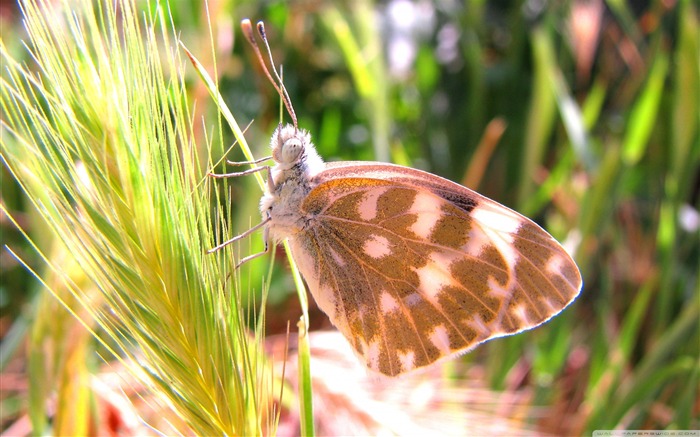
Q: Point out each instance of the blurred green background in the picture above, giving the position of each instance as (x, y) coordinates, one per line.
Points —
(582, 115)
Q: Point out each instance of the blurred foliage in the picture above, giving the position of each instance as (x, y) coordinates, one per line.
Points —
(584, 115)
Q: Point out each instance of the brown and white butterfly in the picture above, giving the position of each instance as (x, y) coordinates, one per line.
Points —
(410, 267)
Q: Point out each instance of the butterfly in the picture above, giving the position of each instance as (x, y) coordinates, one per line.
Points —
(411, 268)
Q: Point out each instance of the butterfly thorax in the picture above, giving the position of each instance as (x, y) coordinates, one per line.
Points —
(296, 163)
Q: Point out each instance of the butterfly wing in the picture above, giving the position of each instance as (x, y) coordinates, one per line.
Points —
(413, 268)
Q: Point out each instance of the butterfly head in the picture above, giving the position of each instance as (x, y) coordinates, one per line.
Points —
(288, 145)
(292, 147)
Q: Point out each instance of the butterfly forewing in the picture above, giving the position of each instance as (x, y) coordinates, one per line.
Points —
(413, 268)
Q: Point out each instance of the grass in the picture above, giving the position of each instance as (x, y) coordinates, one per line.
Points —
(604, 152)
(100, 137)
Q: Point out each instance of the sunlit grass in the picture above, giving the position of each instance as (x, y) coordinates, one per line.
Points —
(99, 134)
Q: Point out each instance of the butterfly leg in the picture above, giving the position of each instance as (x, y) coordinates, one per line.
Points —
(257, 161)
(270, 181)
(241, 173)
(266, 239)
(243, 235)
(271, 188)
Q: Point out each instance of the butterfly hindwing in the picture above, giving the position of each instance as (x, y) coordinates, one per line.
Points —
(413, 268)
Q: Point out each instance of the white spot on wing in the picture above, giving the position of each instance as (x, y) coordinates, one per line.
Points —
(408, 361)
(521, 313)
(427, 208)
(554, 307)
(432, 280)
(440, 339)
(499, 219)
(444, 259)
(371, 353)
(555, 267)
(377, 246)
(476, 242)
(388, 303)
(497, 290)
(500, 225)
(367, 207)
(433, 276)
(477, 323)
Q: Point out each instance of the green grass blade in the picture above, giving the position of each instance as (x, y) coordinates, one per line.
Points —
(542, 111)
(644, 113)
(305, 387)
(367, 68)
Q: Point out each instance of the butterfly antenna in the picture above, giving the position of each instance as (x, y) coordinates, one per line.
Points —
(276, 81)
